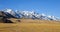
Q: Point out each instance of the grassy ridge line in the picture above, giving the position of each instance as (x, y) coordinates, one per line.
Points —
(34, 21)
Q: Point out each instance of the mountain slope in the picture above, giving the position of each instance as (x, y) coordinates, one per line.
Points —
(29, 14)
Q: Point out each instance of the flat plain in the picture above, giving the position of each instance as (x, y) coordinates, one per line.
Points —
(29, 25)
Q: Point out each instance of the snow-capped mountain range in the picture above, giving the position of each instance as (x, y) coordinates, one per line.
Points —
(29, 14)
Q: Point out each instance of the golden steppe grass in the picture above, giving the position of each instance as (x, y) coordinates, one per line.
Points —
(29, 25)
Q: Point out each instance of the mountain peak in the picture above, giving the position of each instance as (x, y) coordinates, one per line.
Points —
(29, 14)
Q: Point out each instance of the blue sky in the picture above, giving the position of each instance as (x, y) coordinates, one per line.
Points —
(48, 7)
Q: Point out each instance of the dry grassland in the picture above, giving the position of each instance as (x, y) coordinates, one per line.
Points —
(29, 25)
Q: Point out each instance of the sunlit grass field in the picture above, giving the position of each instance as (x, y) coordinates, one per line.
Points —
(34, 26)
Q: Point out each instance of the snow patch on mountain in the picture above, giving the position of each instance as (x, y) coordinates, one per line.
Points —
(30, 14)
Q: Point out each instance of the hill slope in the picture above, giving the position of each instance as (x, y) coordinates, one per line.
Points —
(33, 21)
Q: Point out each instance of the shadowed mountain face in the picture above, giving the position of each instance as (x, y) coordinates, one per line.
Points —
(9, 15)
(4, 16)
